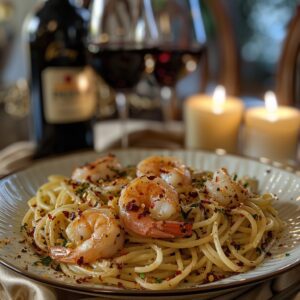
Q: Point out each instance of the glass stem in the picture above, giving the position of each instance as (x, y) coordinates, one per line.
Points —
(122, 109)
(168, 104)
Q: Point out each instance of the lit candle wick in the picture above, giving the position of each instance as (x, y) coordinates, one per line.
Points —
(271, 105)
(219, 98)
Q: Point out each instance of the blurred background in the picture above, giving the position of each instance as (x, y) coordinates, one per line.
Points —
(245, 38)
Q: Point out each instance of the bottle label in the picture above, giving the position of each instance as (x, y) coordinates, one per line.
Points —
(68, 94)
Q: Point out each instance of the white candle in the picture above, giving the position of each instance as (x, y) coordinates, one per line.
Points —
(271, 131)
(212, 122)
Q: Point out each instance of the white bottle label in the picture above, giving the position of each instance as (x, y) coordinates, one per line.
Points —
(68, 94)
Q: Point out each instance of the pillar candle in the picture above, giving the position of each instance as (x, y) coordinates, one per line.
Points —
(212, 122)
(271, 131)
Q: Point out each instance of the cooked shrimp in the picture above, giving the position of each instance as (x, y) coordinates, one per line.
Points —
(172, 170)
(225, 190)
(148, 207)
(105, 168)
(96, 234)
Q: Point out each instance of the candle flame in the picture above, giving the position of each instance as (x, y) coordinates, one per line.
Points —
(219, 98)
(271, 102)
(271, 105)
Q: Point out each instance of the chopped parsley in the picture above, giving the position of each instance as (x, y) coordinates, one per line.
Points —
(287, 254)
(199, 182)
(64, 243)
(185, 214)
(255, 216)
(142, 275)
(158, 280)
(235, 177)
(82, 189)
(24, 227)
(45, 261)
(245, 185)
(220, 210)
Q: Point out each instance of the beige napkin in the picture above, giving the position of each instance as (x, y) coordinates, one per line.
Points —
(144, 134)
(16, 287)
(15, 157)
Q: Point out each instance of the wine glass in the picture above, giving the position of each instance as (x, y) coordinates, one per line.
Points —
(180, 46)
(121, 33)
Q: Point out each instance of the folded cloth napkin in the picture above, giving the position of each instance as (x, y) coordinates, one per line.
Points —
(15, 157)
(144, 134)
(16, 287)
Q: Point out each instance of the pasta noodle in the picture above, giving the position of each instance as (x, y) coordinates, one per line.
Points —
(225, 239)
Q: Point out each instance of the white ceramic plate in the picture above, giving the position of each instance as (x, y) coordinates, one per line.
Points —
(16, 189)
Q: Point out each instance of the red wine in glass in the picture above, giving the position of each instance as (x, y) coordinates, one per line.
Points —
(171, 64)
(120, 68)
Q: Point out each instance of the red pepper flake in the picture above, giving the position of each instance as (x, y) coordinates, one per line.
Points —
(80, 261)
(51, 217)
(97, 193)
(151, 177)
(131, 206)
(144, 213)
(178, 272)
(79, 212)
(66, 213)
(193, 194)
(120, 285)
(31, 232)
(79, 281)
(186, 228)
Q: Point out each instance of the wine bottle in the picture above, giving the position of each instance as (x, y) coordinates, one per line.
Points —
(62, 94)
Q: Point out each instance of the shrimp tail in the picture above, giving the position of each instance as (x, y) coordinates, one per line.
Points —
(171, 229)
(62, 254)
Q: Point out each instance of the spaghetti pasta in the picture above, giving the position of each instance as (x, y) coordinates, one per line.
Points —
(220, 237)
